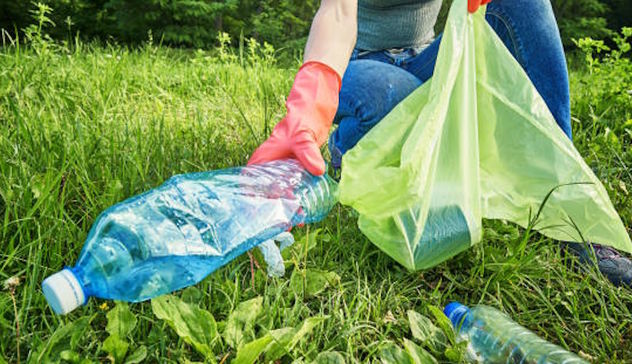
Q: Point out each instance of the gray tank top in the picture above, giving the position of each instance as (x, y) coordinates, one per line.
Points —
(385, 24)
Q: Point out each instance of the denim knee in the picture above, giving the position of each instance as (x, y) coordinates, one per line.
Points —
(370, 89)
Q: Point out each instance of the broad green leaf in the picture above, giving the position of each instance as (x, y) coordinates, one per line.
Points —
(305, 244)
(116, 348)
(38, 185)
(280, 344)
(426, 332)
(138, 356)
(443, 322)
(191, 295)
(187, 361)
(329, 357)
(418, 354)
(70, 356)
(455, 353)
(275, 343)
(251, 351)
(392, 353)
(121, 321)
(283, 344)
(78, 332)
(612, 139)
(312, 282)
(194, 325)
(59, 342)
(306, 328)
(240, 322)
(420, 326)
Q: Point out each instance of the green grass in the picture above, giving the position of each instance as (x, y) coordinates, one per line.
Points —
(85, 128)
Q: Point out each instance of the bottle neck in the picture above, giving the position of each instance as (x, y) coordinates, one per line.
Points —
(316, 197)
(458, 314)
(78, 272)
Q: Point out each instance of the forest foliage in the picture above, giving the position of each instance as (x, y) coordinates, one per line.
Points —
(282, 23)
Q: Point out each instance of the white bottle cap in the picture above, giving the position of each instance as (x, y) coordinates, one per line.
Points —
(63, 292)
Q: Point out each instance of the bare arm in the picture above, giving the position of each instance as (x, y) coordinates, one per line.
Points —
(333, 34)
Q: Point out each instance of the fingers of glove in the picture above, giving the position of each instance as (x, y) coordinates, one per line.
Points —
(308, 154)
(272, 256)
(473, 5)
(272, 149)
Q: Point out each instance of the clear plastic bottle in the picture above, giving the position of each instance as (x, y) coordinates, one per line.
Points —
(493, 337)
(176, 234)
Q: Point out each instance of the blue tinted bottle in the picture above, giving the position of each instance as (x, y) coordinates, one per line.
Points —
(176, 234)
(493, 337)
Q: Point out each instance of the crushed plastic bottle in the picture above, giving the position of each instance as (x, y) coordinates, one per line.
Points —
(493, 337)
(176, 234)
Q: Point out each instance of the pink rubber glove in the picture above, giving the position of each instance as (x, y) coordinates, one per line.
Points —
(472, 5)
(311, 106)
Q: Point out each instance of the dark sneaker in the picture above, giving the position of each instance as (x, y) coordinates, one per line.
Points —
(617, 268)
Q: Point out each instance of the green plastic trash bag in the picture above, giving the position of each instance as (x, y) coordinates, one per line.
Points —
(475, 141)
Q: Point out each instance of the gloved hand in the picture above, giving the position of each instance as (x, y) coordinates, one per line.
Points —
(311, 107)
(472, 5)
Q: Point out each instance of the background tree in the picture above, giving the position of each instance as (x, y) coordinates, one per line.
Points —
(283, 23)
(581, 18)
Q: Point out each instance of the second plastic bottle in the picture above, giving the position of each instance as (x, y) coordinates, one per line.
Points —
(493, 337)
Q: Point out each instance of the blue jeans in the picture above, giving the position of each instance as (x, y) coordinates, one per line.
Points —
(376, 81)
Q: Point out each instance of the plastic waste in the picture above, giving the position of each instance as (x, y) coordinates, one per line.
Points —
(476, 137)
(447, 225)
(176, 234)
(494, 338)
(272, 253)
